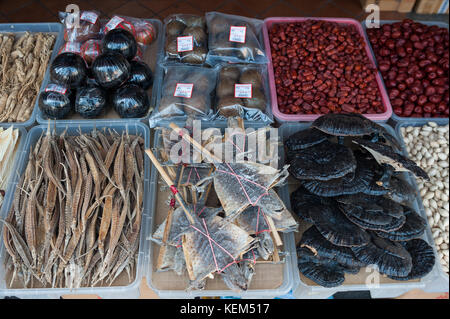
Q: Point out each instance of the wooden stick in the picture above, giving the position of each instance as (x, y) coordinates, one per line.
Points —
(276, 256)
(163, 248)
(169, 182)
(274, 231)
(194, 143)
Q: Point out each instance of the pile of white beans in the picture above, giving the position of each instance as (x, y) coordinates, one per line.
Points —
(428, 146)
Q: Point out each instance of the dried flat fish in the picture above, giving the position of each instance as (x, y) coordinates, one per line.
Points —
(212, 247)
(240, 185)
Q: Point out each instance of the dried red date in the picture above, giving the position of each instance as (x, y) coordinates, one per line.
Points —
(332, 69)
(422, 52)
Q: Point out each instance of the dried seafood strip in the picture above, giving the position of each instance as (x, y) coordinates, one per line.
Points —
(70, 226)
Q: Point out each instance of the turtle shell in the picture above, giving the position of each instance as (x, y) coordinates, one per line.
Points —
(413, 227)
(353, 124)
(324, 272)
(372, 212)
(351, 183)
(323, 161)
(304, 139)
(386, 154)
(391, 258)
(401, 191)
(336, 228)
(395, 224)
(313, 240)
(423, 259)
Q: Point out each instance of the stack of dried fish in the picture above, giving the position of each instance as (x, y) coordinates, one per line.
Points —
(77, 211)
(9, 141)
(228, 239)
(24, 59)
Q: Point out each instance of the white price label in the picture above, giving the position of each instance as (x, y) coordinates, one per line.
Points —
(89, 16)
(113, 23)
(56, 88)
(184, 90)
(243, 91)
(185, 43)
(237, 34)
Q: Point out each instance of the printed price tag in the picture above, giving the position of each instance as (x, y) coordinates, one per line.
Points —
(184, 90)
(243, 91)
(185, 43)
(237, 34)
(55, 88)
(89, 16)
(113, 23)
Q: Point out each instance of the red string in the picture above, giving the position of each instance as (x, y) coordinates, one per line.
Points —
(174, 189)
(172, 202)
(238, 177)
(230, 138)
(257, 222)
(211, 241)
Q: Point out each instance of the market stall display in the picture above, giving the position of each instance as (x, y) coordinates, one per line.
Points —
(428, 145)
(75, 201)
(24, 63)
(348, 197)
(413, 59)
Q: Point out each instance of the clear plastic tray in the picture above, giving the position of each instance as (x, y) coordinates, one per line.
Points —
(436, 281)
(152, 56)
(394, 116)
(288, 240)
(281, 117)
(128, 291)
(55, 28)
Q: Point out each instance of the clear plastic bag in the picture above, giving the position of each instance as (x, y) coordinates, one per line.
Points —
(186, 39)
(88, 26)
(234, 39)
(242, 91)
(91, 49)
(186, 93)
(143, 31)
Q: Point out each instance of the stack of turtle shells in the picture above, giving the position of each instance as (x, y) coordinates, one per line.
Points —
(358, 203)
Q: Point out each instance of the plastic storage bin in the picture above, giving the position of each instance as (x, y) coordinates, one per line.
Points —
(19, 150)
(281, 117)
(129, 291)
(55, 28)
(395, 117)
(435, 281)
(289, 249)
(152, 57)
